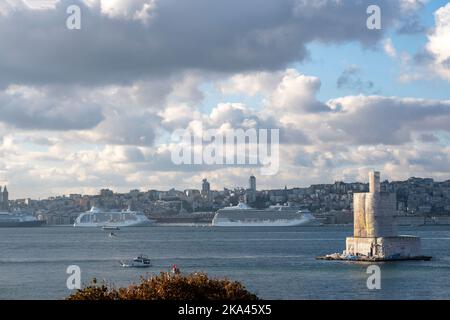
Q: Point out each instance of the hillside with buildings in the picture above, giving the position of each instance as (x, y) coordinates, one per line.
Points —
(416, 197)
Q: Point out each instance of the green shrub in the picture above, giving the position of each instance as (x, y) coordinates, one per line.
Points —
(196, 286)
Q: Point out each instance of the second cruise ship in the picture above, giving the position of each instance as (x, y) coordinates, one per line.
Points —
(275, 216)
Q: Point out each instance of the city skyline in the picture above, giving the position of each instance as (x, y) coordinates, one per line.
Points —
(94, 107)
(204, 186)
(417, 199)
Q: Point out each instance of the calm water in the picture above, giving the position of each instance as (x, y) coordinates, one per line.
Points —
(275, 263)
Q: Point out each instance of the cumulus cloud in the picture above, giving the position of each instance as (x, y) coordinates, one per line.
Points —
(134, 129)
(296, 93)
(252, 83)
(27, 108)
(387, 120)
(438, 42)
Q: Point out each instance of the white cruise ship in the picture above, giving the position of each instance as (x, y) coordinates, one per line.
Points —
(99, 218)
(274, 216)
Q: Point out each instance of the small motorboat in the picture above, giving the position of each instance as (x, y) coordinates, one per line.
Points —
(110, 228)
(138, 262)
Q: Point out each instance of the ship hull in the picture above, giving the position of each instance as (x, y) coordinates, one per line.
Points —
(21, 224)
(260, 223)
(114, 225)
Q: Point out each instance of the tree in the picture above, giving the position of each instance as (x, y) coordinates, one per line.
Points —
(196, 286)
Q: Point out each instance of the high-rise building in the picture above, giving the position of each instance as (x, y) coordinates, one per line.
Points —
(4, 199)
(250, 193)
(206, 188)
(252, 183)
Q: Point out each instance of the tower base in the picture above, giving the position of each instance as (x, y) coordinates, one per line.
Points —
(386, 248)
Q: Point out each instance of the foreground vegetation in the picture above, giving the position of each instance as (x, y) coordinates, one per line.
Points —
(196, 286)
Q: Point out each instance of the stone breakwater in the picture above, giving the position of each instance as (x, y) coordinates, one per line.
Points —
(343, 257)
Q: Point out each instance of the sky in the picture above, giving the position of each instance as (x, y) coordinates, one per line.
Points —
(92, 108)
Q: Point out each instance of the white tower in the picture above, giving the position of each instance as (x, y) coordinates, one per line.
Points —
(374, 232)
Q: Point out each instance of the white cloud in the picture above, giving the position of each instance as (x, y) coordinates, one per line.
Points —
(251, 83)
(410, 5)
(126, 9)
(389, 48)
(295, 93)
(40, 4)
(439, 42)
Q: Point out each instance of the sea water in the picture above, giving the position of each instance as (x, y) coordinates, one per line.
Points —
(274, 263)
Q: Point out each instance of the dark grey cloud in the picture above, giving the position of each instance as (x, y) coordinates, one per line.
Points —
(436, 161)
(123, 129)
(45, 113)
(224, 36)
(428, 137)
(351, 79)
(390, 121)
